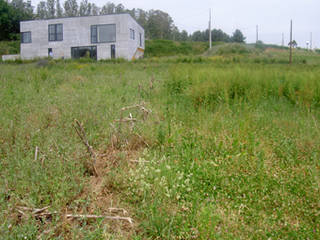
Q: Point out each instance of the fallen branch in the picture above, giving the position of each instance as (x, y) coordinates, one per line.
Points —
(44, 212)
(140, 106)
(142, 139)
(36, 154)
(38, 211)
(101, 216)
(82, 135)
(126, 120)
(118, 210)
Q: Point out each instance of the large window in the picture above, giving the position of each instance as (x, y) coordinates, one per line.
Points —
(55, 32)
(103, 33)
(132, 34)
(84, 52)
(26, 37)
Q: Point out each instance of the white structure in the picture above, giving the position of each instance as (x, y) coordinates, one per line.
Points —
(100, 37)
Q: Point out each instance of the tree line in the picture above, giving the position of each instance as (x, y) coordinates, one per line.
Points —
(157, 24)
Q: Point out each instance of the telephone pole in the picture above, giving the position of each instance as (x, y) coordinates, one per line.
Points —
(282, 39)
(311, 41)
(210, 41)
(257, 34)
(290, 57)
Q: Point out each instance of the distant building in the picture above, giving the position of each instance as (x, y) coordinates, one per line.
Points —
(98, 37)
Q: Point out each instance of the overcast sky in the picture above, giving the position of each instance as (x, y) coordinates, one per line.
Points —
(272, 16)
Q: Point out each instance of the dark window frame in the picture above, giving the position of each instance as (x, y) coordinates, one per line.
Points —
(94, 29)
(55, 33)
(22, 37)
(132, 34)
(140, 39)
(92, 49)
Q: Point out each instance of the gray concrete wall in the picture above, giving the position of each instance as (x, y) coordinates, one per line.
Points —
(77, 33)
(11, 57)
(135, 44)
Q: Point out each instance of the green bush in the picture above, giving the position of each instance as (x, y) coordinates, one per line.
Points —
(160, 48)
(12, 47)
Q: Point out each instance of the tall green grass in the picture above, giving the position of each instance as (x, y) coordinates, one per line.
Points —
(232, 147)
(160, 48)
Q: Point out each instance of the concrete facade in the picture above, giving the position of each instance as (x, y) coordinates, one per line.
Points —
(77, 33)
(11, 57)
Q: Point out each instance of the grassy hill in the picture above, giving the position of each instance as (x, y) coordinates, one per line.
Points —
(261, 53)
(188, 147)
(161, 48)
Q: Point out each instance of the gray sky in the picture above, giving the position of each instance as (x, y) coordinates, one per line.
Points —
(272, 16)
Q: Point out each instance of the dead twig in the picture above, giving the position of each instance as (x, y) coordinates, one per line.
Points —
(82, 135)
(101, 216)
(126, 120)
(142, 139)
(38, 211)
(36, 153)
(41, 212)
(112, 210)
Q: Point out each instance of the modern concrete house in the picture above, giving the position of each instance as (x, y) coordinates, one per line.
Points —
(100, 37)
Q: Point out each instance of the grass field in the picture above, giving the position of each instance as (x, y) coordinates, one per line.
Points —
(225, 147)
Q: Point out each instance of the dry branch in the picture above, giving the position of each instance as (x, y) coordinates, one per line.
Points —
(101, 216)
(38, 211)
(36, 154)
(82, 135)
(118, 210)
(44, 212)
(126, 120)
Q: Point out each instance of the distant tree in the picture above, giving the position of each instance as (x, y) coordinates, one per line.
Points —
(184, 35)
(120, 8)
(219, 36)
(85, 8)
(51, 8)
(293, 43)
(238, 37)
(95, 10)
(71, 8)
(23, 10)
(160, 25)
(6, 24)
(108, 8)
(42, 12)
(141, 16)
(59, 10)
(11, 13)
(197, 36)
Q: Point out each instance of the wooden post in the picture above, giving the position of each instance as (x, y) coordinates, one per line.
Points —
(290, 58)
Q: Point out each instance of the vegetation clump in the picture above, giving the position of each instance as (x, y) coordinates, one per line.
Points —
(184, 147)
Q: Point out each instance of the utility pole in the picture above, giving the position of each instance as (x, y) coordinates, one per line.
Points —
(257, 34)
(290, 57)
(282, 39)
(210, 41)
(311, 41)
